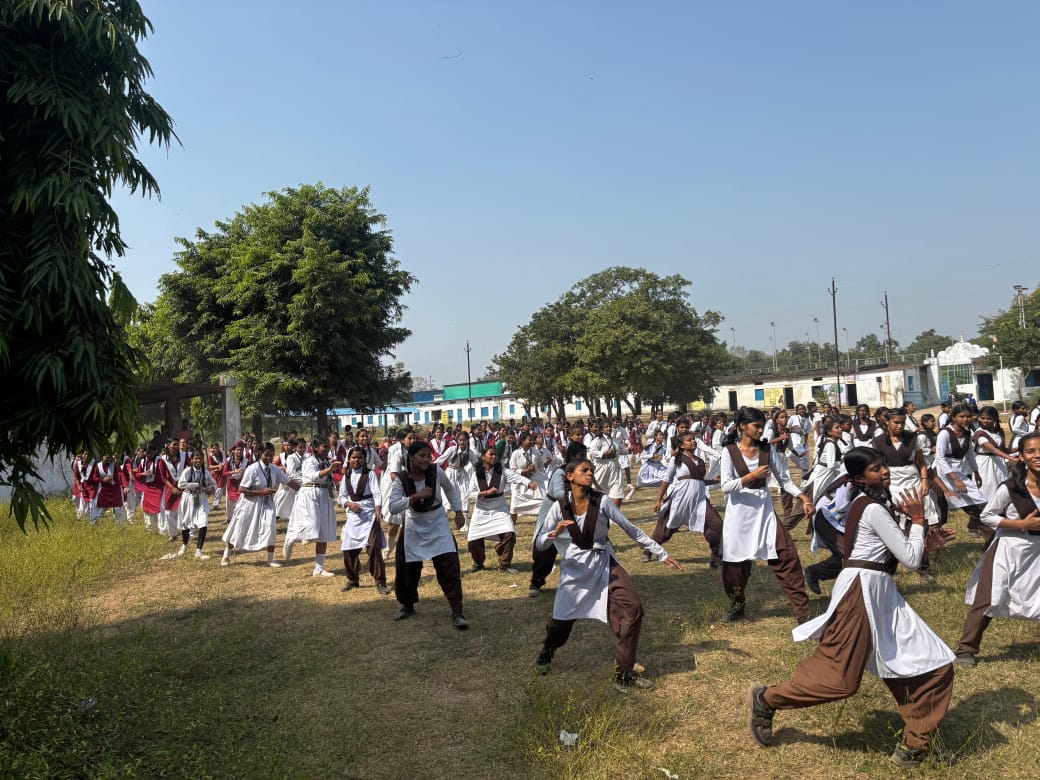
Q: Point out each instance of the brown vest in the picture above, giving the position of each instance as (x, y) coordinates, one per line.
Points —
(362, 487)
(958, 449)
(904, 456)
(426, 504)
(741, 465)
(482, 481)
(694, 465)
(583, 537)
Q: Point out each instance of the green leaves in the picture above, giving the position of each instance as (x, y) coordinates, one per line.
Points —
(619, 332)
(298, 296)
(72, 108)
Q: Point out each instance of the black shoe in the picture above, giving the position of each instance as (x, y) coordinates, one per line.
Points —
(629, 680)
(905, 758)
(459, 621)
(404, 613)
(383, 590)
(534, 592)
(761, 717)
(544, 662)
(812, 582)
(475, 568)
(713, 561)
(733, 614)
(350, 586)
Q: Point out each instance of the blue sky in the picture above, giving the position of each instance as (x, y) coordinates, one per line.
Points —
(756, 148)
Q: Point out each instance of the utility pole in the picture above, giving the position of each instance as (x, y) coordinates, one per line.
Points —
(469, 381)
(773, 339)
(1020, 299)
(733, 331)
(888, 331)
(837, 355)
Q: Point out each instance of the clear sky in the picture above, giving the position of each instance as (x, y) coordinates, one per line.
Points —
(757, 148)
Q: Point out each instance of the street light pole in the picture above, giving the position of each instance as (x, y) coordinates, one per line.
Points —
(773, 339)
(469, 382)
(733, 333)
(837, 355)
(1020, 298)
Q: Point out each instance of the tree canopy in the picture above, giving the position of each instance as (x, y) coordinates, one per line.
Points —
(72, 111)
(299, 297)
(623, 331)
(926, 342)
(1003, 332)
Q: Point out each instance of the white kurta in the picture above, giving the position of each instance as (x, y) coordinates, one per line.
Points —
(286, 496)
(1019, 425)
(687, 501)
(395, 458)
(490, 516)
(358, 525)
(426, 534)
(607, 470)
(749, 530)
(254, 525)
(458, 468)
(655, 465)
(992, 468)
(902, 644)
(946, 464)
(1016, 563)
(193, 511)
(313, 517)
(585, 574)
(524, 500)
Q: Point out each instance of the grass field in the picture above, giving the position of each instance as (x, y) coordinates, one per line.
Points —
(116, 664)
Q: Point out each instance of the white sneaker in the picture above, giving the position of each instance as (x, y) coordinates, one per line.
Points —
(274, 564)
(321, 571)
(169, 557)
(200, 557)
(287, 551)
(225, 561)
(630, 492)
(184, 549)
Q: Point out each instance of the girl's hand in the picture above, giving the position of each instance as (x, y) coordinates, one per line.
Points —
(759, 473)
(1031, 522)
(561, 526)
(657, 506)
(938, 537)
(671, 563)
(912, 502)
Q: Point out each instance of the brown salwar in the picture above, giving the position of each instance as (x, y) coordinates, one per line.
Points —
(834, 671)
(786, 566)
(504, 550)
(712, 529)
(977, 621)
(624, 613)
(406, 582)
(376, 564)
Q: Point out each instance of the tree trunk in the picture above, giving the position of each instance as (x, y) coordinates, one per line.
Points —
(258, 426)
(323, 422)
(632, 406)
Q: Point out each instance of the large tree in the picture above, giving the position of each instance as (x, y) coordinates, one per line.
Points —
(926, 342)
(621, 332)
(72, 111)
(299, 297)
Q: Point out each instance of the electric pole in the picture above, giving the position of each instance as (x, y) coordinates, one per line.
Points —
(888, 331)
(837, 355)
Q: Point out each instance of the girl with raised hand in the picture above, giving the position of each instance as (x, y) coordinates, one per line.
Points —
(868, 625)
(593, 585)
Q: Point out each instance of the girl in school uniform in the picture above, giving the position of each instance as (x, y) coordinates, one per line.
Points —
(863, 428)
(751, 530)
(991, 454)
(416, 506)
(146, 472)
(215, 464)
(458, 462)
(1019, 423)
(313, 517)
(363, 529)
(292, 465)
(84, 468)
(169, 469)
(955, 465)
(233, 470)
(687, 503)
(1006, 581)
(492, 518)
(529, 481)
(134, 489)
(603, 453)
(868, 625)
(196, 485)
(254, 525)
(655, 458)
(106, 480)
(593, 585)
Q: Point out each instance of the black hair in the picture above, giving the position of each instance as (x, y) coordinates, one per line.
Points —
(747, 414)
(416, 447)
(856, 461)
(267, 446)
(959, 408)
(1017, 470)
(316, 442)
(576, 451)
(364, 457)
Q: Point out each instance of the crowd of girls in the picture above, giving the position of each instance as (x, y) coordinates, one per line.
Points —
(877, 489)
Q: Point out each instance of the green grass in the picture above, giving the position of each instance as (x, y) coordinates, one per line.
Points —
(116, 664)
